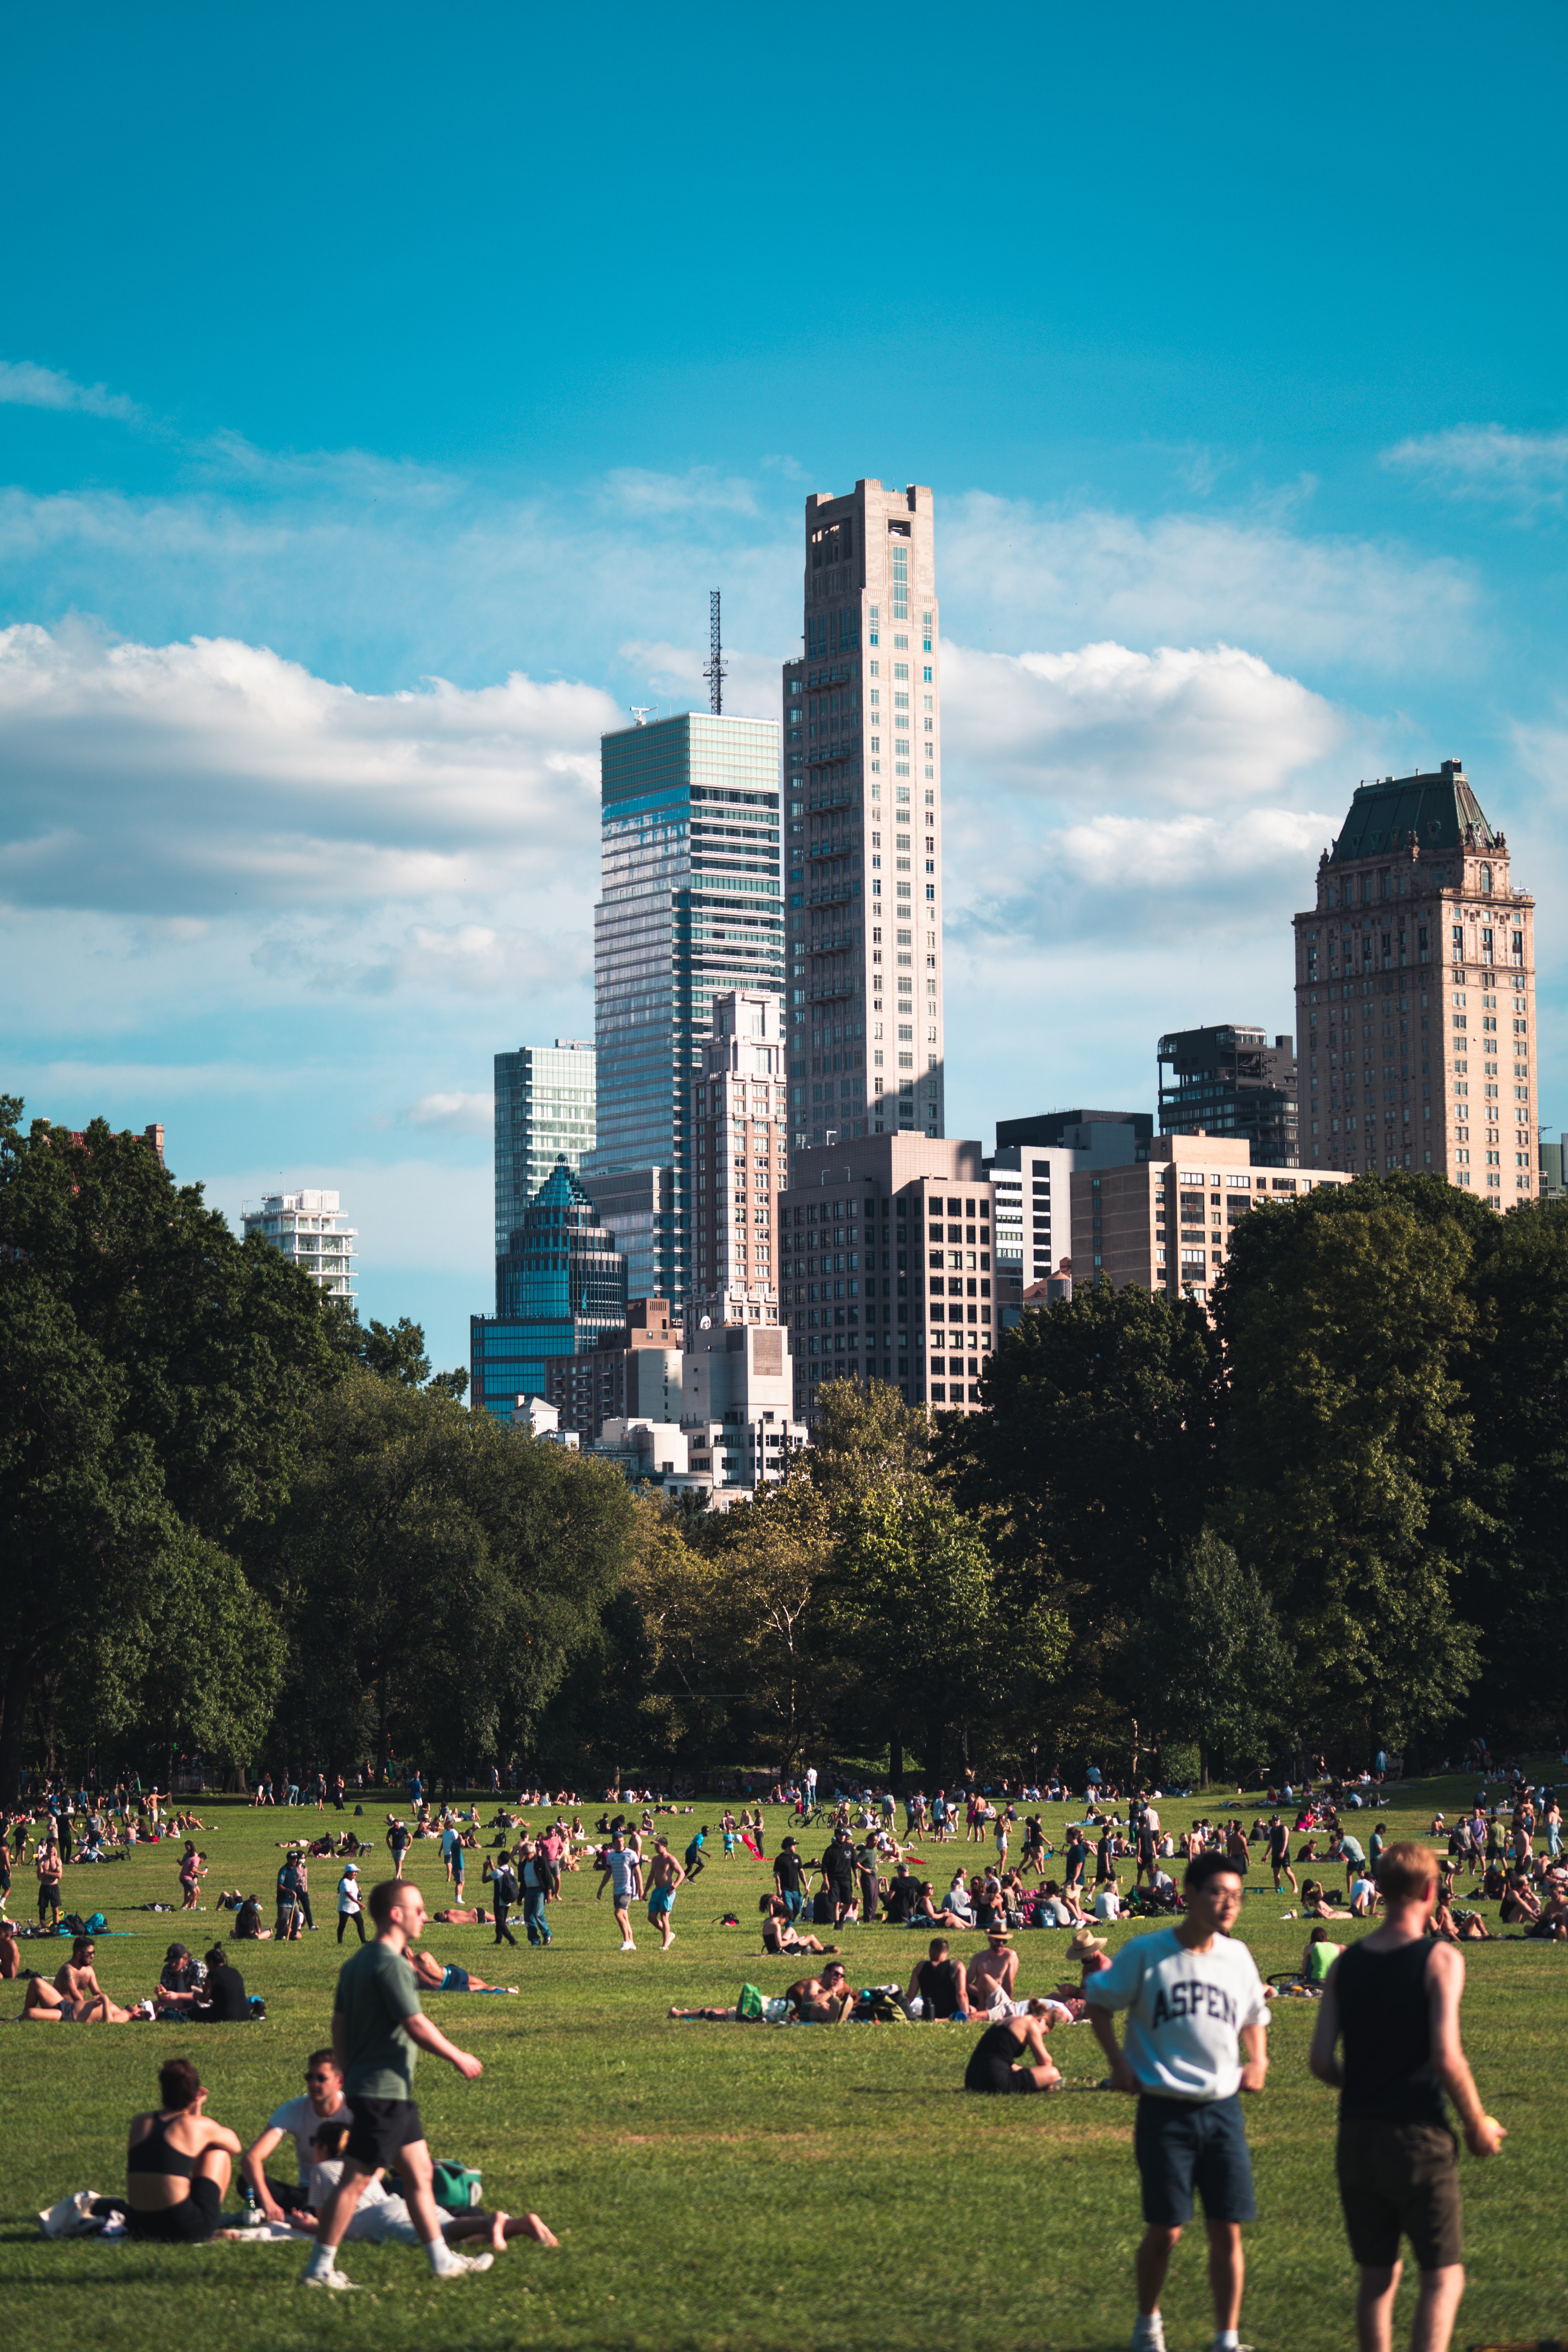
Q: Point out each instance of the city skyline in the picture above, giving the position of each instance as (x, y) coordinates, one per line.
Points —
(324, 568)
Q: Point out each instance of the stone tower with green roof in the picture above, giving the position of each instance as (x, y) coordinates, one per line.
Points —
(1415, 995)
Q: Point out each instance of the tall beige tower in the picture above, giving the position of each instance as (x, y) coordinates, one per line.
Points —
(1415, 995)
(862, 728)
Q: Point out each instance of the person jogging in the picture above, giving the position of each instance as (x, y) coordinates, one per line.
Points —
(377, 2023)
(1195, 2037)
(1394, 2000)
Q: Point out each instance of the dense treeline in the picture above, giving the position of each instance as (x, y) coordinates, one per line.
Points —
(234, 1521)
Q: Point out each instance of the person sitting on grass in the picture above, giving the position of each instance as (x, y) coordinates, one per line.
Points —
(938, 1983)
(780, 1933)
(1315, 1904)
(248, 1927)
(1011, 2055)
(381, 2217)
(1318, 1958)
(1519, 1907)
(433, 1976)
(991, 1973)
(179, 1978)
(827, 2000)
(1454, 1926)
(222, 1999)
(178, 2163)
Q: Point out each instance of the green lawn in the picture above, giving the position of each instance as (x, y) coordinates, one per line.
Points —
(726, 2186)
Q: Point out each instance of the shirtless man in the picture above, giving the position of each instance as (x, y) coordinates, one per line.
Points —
(50, 1870)
(665, 1876)
(438, 1976)
(77, 1983)
(827, 2000)
(993, 1973)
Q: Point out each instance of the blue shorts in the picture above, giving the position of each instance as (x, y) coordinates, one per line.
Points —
(661, 1900)
(1183, 2145)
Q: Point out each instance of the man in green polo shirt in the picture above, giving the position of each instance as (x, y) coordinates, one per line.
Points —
(378, 2028)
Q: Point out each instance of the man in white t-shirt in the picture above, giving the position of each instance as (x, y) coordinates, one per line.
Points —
(299, 2119)
(1195, 2023)
(350, 1901)
(622, 1873)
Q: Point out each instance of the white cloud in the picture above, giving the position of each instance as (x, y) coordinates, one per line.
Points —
(1052, 576)
(24, 384)
(1526, 470)
(190, 778)
(456, 1114)
(699, 490)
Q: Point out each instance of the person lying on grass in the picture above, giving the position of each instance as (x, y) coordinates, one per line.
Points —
(1315, 1904)
(76, 1997)
(780, 1933)
(381, 2217)
(433, 1976)
(827, 2000)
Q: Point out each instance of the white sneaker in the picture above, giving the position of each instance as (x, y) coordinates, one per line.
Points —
(1149, 2334)
(462, 2263)
(628, 1946)
(327, 2278)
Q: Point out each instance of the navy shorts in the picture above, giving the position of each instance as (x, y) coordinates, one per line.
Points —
(1184, 2145)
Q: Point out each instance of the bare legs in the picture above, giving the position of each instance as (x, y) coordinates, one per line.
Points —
(1437, 2308)
(1226, 2270)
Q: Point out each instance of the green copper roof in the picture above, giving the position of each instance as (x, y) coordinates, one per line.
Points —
(1436, 809)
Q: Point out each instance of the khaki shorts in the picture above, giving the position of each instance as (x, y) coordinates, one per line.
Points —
(1400, 2180)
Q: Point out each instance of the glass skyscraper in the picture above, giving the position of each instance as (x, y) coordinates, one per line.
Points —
(561, 1290)
(691, 906)
(545, 1112)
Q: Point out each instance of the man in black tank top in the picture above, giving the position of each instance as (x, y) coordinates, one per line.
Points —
(1394, 2000)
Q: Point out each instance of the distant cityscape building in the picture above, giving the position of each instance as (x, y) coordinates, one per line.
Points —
(638, 1209)
(885, 1262)
(1415, 990)
(1229, 1080)
(1081, 1131)
(863, 772)
(1552, 1158)
(691, 906)
(739, 1159)
(1166, 1223)
(308, 1229)
(633, 1372)
(544, 1111)
(561, 1288)
(1031, 1184)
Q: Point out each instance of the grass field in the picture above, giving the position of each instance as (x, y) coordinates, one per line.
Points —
(724, 2187)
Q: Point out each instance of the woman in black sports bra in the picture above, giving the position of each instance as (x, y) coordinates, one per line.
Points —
(178, 2163)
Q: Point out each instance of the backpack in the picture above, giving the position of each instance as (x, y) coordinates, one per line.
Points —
(749, 2006)
(456, 2188)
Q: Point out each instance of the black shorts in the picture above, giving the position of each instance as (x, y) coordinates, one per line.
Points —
(1183, 2145)
(189, 2224)
(1400, 2180)
(381, 2131)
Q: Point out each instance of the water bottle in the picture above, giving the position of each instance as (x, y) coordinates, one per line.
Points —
(250, 2213)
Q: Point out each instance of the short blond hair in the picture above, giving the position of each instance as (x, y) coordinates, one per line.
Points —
(1406, 1872)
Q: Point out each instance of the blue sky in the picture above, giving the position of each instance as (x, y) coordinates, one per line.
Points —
(380, 395)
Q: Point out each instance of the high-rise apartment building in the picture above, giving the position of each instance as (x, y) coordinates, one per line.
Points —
(690, 907)
(740, 1161)
(1415, 990)
(1229, 1080)
(1090, 1131)
(862, 711)
(545, 1112)
(885, 1262)
(308, 1229)
(561, 1290)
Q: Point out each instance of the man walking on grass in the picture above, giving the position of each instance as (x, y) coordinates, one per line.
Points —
(1393, 1999)
(1195, 2026)
(376, 2023)
(665, 1875)
(619, 1870)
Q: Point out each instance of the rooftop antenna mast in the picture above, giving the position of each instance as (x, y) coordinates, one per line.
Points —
(715, 671)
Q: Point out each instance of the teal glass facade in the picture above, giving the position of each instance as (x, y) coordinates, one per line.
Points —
(545, 1112)
(691, 906)
(561, 1290)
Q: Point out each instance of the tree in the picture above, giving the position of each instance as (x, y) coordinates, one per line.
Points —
(436, 1574)
(1348, 1444)
(862, 1437)
(1208, 1659)
(1514, 1378)
(1090, 1472)
(156, 1380)
(397, 1354)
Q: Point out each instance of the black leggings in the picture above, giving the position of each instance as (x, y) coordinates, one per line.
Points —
(189, 2224)
(343, 1919)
